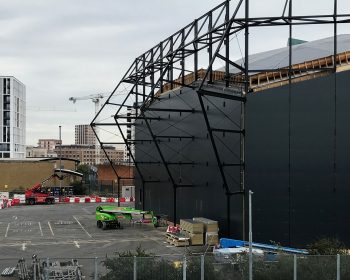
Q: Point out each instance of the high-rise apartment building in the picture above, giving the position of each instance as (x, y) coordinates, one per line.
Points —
(84, 135)
(12, 118)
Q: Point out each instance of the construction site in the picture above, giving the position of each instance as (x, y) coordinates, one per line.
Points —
(274, 123)
(240, 160)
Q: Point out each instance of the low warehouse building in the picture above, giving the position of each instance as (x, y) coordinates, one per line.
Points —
(18, 175)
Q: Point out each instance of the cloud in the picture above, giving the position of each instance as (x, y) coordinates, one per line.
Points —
(69, 48)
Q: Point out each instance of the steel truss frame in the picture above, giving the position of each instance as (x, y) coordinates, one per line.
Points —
(174, 63)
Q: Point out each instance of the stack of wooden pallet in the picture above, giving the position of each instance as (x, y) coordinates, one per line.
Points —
(211, 229)
(193, 230)
(177, 239)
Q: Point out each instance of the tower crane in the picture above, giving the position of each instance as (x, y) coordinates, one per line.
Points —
(95, 99)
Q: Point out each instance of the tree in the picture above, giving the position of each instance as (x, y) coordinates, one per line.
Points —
(327, 246)
(79, 186)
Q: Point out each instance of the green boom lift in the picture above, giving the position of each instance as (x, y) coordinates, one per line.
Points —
(108, 216)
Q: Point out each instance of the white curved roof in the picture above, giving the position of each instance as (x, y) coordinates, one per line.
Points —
(279, 58)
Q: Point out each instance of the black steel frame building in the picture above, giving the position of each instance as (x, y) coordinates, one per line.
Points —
(201, 138)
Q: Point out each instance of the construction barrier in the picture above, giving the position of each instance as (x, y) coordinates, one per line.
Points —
(16, 201)
(20, 199)
(5, 203)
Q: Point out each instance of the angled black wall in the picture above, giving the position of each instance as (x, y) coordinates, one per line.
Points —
(207, 196)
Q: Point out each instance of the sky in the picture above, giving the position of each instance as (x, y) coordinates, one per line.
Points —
(75, 48)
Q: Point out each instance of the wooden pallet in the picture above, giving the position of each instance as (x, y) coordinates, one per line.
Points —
(177, 240)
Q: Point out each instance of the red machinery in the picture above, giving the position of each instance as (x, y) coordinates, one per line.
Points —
(38, 194)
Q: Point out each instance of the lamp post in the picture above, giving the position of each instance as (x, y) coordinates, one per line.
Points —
(250, 237)
(60, 157)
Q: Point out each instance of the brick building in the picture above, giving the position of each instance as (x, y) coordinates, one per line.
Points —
(23, 173)
(86, 154)
(48, 144)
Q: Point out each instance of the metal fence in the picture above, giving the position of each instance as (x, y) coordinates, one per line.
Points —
(179, 267)
(106, 187)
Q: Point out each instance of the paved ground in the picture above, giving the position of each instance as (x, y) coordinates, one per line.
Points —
(69, 231)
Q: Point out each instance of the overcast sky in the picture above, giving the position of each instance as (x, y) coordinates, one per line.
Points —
(63, 48)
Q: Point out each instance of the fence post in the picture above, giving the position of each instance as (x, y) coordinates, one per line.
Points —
(47, 268)
(135, 268)
(202, 267)
(184, 268)
(96, 270)
(338, 267)
(34, 268)
(295, 271)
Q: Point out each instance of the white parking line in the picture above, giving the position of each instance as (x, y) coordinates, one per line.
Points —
(76, 244)
(82, 227)
(50, 228)
(41, 231)
(8, 226)
(87, 211)
(23, 246)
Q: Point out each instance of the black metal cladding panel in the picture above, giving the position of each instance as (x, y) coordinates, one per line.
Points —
(312, 158)
(315, 206)
(342, 190)
(267, 163)
(158, 197)
(207, 197)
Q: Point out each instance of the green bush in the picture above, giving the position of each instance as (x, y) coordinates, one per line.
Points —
(148, 267)
(327, 246)
(166, 267)
(78, 188)
(309, 267)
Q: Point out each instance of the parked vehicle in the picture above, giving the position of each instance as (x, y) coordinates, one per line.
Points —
(39, 194)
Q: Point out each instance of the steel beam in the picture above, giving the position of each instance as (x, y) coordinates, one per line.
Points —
(174, 137)
(222, 95)
(227, 130)
(171, 110)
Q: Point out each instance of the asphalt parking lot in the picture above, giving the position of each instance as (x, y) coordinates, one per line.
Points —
(68, 231)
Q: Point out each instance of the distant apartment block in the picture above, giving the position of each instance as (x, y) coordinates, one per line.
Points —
(39, 152)
(86, 154)
(48, 144)
(84, 135)
(12, 118)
